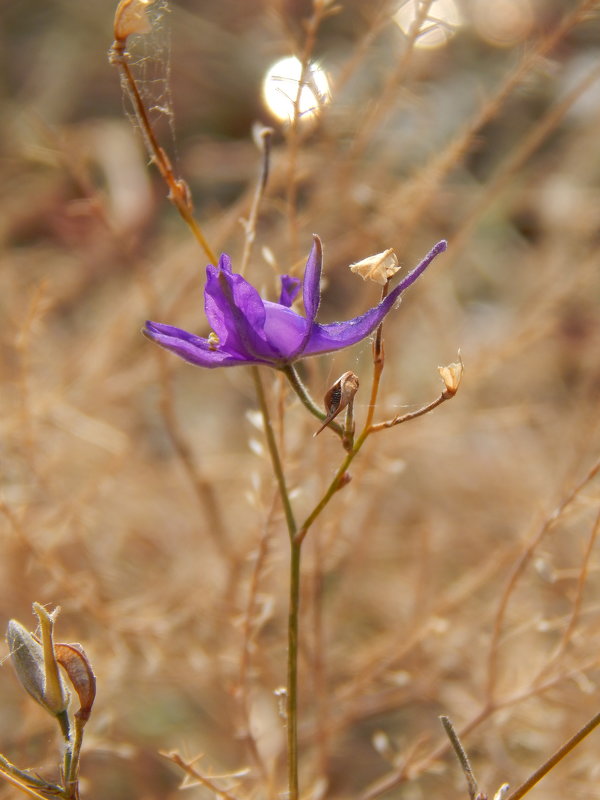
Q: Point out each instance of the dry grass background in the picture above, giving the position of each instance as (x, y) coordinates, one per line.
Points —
(135, 490)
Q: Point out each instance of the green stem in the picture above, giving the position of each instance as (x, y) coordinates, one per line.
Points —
(24, 776)
(294, 601)
(334, 486)
(72, 777)
(274, 452)
(307, 401)
(292, 668)
(348, 440)
(65, 729)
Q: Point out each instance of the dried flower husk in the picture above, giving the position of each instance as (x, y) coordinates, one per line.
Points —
(131, 17)
(378, 268)
(452, 376)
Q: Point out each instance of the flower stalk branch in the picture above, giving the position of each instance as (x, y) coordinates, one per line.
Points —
(246, 329)
(299, 387)
(566, 748)
(264, 137)
(131, 18)
(294, 585)
(390, 423)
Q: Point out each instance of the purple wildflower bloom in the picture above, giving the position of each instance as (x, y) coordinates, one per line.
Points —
(250, 330)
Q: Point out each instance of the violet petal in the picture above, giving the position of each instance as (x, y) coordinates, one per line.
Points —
(192, 349)
(289, 290)
(311, 287)
(236, 314)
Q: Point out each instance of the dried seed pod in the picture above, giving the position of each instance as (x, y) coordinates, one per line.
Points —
(378, 268)
(338, 397)
(452, 376)
(131, 17)
(76, 664)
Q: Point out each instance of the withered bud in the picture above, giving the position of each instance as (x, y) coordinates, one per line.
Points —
(343, 481)
(76, 664)
(131, 17)
(338, 397)
(452, 376)
(378, 268)
(260, 133)
(36, 666)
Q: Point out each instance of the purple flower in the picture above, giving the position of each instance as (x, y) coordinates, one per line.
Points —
(250, 330)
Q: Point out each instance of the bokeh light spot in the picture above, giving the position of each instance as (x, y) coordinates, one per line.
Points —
(504, 22)
(438, 27)
(280, 89)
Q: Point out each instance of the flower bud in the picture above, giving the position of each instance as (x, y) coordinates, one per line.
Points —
(452, 376)
(28, 659)
(338, 397)
(378, 268)
(36, 665)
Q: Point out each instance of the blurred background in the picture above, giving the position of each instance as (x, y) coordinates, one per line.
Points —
(457, 574)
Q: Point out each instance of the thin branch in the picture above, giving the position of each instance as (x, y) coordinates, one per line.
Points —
(381, 426)
(462, 757)
(179, 193)
(265, 136)
(203, 780)
(307, 401)
(519, 568)
(562, 751)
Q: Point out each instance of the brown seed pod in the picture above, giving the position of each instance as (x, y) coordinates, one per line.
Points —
(338, 397)
(131, 17)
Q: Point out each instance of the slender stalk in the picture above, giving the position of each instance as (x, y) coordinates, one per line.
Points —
(292, 668)
(308, 402)
(22, 776)
(208, 783)
(294, 138)
(381, 426)
(378, 364)
(179, 193)
(266, 136)
(294, 599)
(336, 484)
(274, 452)
(65, 728)
(72, 777)
(462, 756)
(566, 748)
(348, 440)
(23, 787)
